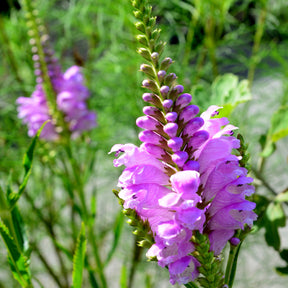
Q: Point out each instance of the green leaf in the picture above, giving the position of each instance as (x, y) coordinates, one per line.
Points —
(279, 124)
(20, 231)
(117, 233)
(229, 93)
(17, 261)
(191, 285)
(275, 218)
(269, 149)
(226, 91)
(27, 163)
(262, 203)
(283, 271)
(282, 197)
(78, 259)
(284, 255)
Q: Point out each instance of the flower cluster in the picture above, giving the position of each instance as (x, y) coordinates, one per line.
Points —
(197, 186)
(186, 177)
(55, 93)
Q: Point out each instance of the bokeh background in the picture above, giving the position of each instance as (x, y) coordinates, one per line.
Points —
(206, 39)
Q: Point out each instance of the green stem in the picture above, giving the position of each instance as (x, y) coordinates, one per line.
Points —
(136, 259)
(257, 41)
(9, 52)
(232, 264)
(211, 45)
(189, 40)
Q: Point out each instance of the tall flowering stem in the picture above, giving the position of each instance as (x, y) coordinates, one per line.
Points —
(188, 179)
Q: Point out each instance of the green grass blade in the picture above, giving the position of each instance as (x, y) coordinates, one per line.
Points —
(78, 259)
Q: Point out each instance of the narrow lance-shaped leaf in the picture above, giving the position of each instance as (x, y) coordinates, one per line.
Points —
(17, 260)
(27, 163)
(78, 259)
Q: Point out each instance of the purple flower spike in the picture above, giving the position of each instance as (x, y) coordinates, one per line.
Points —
(184, 178)
(171, 129)
(70, 93)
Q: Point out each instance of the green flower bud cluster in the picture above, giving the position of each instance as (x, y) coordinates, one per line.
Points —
(242, 150)
(210, 268)
(141, 228)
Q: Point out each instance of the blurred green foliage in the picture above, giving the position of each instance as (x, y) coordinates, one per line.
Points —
(208, 40)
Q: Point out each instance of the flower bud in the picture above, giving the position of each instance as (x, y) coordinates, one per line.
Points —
(171, 116)
(164, 91)
(138, 15)
(160, 47)
(151, 85)
(148, 70)
(183, 100)
(234, 241)
(147, 122)
(153, 99)
(178, 89)
(155, 57)
(188, 113)
(171, 129)
(165, 64)
(154, 112)
(142, 39)
(161, 74)
(193, 125)
(180, 158)
(155, 34)
(145, 53)
(167, 104)
(148, 136)
(175, 143)
(169, 79)
(140, 26)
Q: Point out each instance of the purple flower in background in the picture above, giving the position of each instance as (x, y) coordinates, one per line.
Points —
(184, 177)
(69, 96)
